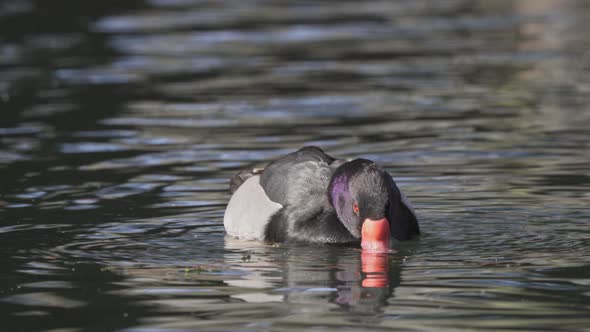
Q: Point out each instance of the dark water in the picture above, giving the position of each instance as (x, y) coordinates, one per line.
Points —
(121, 122)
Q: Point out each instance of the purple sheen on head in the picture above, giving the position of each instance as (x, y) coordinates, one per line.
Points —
(339, 188)
(342, 201)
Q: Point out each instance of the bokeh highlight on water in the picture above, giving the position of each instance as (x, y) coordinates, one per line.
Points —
(121, 123)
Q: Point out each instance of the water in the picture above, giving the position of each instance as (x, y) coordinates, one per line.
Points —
(121, 123)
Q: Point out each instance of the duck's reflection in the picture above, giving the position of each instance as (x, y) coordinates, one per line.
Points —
(357, 280)
(375, 267)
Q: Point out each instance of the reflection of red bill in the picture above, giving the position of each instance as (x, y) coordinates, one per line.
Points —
(375, 267)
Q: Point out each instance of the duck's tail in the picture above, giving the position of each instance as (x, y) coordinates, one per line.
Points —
(239, 178)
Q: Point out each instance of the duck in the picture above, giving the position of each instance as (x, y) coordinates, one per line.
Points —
(308, 196)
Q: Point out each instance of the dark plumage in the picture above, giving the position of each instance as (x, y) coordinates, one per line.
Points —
(322, 200)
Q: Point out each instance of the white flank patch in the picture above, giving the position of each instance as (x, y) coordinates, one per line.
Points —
(249, 211)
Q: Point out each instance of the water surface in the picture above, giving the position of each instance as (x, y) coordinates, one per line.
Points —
(121, 124)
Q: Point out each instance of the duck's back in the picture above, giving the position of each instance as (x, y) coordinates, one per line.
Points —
(297, 181)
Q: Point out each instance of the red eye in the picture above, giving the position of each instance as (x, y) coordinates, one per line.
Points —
(355, 208)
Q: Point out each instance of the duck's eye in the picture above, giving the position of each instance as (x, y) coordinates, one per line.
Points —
(355, 208)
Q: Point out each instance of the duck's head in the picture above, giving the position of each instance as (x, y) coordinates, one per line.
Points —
(367, 202)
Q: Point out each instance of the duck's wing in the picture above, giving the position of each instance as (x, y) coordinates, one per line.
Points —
(298, 179)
